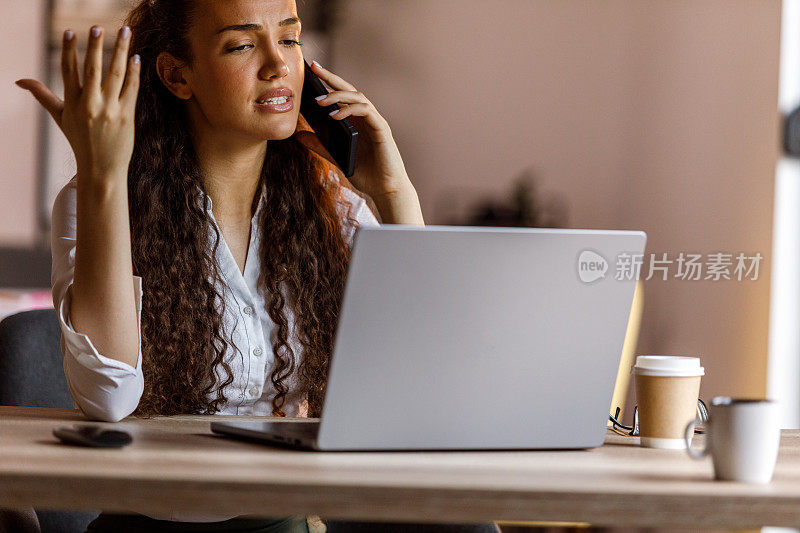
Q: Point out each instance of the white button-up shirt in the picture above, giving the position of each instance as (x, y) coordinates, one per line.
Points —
(107, 389)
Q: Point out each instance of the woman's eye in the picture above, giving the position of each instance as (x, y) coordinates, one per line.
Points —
(288, 43)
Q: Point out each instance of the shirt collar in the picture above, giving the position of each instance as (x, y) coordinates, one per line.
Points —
(200, 196)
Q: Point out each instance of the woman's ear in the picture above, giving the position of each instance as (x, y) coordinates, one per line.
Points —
(171, 72)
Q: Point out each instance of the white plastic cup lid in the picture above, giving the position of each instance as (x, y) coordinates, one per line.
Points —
(668, 365)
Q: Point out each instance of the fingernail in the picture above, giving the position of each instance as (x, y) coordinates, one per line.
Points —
(317, 64)
(320, 97)
(96, 31)
(136, 58)
(333, 112)
(125, 32)
(69, 34)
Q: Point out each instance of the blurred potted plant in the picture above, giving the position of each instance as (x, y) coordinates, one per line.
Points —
(524, 207)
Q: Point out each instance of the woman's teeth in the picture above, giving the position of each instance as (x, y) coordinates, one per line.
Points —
(276, 100)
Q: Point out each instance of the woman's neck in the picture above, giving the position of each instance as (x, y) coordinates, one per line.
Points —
(231, 173)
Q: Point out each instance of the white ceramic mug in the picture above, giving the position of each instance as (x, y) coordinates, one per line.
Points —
(742, 437)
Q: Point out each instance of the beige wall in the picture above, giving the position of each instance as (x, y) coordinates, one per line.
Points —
(649, 115)
(22, 43)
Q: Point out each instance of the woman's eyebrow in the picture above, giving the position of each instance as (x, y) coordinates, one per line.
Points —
(256, 27)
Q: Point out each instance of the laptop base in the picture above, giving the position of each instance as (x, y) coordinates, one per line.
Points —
(295, 435)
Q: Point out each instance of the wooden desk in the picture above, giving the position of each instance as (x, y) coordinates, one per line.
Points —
(176, 463)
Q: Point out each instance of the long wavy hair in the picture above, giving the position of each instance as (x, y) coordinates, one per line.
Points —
(303, 256)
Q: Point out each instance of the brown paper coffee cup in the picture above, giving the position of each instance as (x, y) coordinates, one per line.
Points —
(666, 403)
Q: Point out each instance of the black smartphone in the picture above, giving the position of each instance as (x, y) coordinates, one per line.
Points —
(339, 137)
(93, 436)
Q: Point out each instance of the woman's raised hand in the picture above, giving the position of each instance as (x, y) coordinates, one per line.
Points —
(97, 119)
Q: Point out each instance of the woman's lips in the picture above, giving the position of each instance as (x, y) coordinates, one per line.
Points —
(277, 108)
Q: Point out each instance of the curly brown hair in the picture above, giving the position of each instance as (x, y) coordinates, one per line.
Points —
(304, 253)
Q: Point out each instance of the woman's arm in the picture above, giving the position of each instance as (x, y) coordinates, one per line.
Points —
(380, 172)
(103, 303)
(400, 207)
(95, 283)
(98, 121)
(102, 386)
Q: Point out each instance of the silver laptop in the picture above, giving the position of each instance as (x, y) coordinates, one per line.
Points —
(456, 338)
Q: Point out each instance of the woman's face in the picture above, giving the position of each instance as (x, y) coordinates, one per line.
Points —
(243, 49)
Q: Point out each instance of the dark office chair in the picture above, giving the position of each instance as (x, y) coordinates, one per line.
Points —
(31, 375)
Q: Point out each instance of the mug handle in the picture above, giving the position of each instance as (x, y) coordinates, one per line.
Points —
(688, 438)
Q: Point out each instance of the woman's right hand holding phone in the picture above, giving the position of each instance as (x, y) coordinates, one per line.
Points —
(97, 119)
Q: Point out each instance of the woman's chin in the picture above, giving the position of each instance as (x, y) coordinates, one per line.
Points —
(278, 133)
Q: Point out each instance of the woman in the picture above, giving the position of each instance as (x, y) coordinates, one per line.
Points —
(200, 253)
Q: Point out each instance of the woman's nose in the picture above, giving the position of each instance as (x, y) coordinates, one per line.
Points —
(279, 70)
(274, 66)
